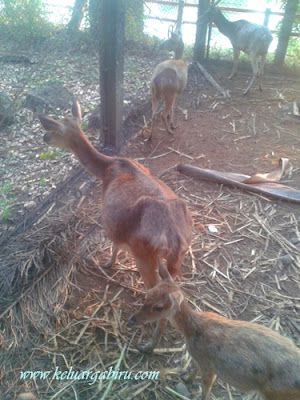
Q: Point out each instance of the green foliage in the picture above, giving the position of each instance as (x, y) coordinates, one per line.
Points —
(188, 52)
(84, 126)
(54, 154)
(49, 81)
(294, 42)
(46, 156)
(5, 187)
(24, 20)
(134, 19)
(42, 181)
(5, 212)
(293, 50)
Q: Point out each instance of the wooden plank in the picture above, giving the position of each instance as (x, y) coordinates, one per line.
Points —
(233, 9)
(191, 23)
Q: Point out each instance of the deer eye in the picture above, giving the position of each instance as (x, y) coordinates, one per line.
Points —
(157, 308)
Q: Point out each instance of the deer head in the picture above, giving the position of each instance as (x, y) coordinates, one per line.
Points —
(174, 43)
(60, 133)
(210, 13)
(162, 302)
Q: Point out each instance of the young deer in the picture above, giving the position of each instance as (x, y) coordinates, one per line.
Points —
(245, 36)
(139, 211)
(248, 356)
(168, 82)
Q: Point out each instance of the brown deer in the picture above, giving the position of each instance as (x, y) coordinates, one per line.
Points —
(249, 356)
(168, 82)
(252, 39)
(139, 211)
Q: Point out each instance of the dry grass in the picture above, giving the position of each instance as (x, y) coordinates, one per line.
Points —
(61, 309)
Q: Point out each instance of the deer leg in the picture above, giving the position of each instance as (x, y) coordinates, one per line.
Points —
(166, 111)
(157, 334)
(148, 269)
(174, 106)
(261, 69)
(173, 266)
(255, 67)
(195, 371)
(236, 54)
(113, 257)
(207, 380)
(155, 104)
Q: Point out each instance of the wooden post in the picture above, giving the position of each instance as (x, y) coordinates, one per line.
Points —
(112, 17)
(267, 16)
(179, 16)
(208, 41)
(201, 30)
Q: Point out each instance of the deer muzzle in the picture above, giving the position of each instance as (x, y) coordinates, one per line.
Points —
(131, 321)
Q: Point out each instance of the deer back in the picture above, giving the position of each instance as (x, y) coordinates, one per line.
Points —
(170, 76)
(244, 35)
(152, 217)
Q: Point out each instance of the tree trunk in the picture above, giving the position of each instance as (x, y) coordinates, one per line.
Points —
(77, 15)
(285, 32)
(201, 31)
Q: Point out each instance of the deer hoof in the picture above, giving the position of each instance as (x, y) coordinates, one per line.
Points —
(170, 130)
(185, 376)
(108, 264)
(145, 348)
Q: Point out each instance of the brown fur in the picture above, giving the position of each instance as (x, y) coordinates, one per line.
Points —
(249, 356)
(139, 211)
(168, 82)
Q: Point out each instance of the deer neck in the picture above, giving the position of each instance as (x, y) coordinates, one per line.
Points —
(90, 158)
(223, 24)
(179, 52)
(184, 320)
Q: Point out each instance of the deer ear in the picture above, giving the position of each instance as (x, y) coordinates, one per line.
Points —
(76, 112)
(50, 125)
(176, 298)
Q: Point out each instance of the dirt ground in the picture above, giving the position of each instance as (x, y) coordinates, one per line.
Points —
(238, 270)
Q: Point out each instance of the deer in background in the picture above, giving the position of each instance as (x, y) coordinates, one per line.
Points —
(249, 356)
(139, 212)
(252, 39)
(168, 82)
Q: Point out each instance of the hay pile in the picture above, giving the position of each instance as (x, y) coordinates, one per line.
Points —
(60, 309)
